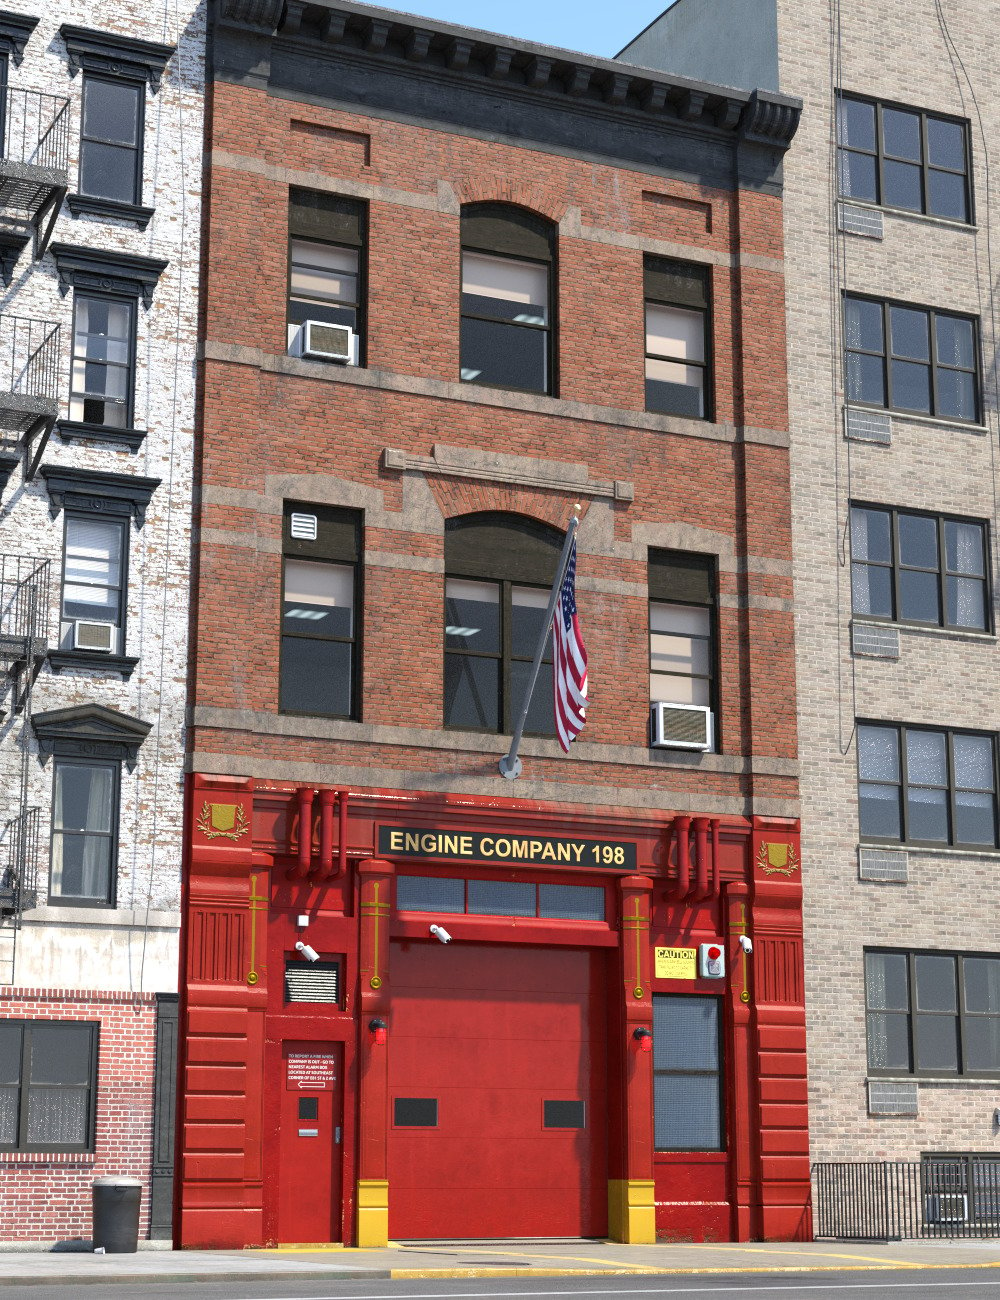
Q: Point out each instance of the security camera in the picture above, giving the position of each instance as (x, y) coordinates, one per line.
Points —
(746, 943)
(310, 954)
(440, 933)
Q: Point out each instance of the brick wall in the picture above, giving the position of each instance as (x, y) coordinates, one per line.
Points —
(46, 1197)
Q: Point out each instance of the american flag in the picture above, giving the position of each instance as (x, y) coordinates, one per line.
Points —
(569, 661)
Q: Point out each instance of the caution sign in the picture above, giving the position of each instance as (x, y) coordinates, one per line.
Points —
(310, 1072)
(675, 963)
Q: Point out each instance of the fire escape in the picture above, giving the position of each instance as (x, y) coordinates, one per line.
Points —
(25, 619)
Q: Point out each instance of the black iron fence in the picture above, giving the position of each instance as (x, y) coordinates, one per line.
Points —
(25, 605)
(34, 128)
(19, 852)
(946, 1196)
(29, 357)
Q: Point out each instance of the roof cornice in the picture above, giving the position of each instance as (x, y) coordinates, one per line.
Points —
(516, 67)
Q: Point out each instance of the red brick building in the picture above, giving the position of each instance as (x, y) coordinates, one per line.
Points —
(455, 285)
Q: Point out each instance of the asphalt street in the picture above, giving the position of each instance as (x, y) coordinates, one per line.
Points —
(913, 1284)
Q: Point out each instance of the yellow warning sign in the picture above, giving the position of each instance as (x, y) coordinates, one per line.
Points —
(676, 963)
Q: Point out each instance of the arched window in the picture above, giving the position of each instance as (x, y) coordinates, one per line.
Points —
(499, 570)
(508, 266)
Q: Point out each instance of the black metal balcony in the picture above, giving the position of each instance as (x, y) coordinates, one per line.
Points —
(19, 852)
(34, 157)
(25, 621)
(29, 389)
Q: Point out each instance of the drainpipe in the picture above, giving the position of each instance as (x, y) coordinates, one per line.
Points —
(301, 868)
(342, 799)
(326, 800)
(700, 891)
(683, 837)
(716, 869)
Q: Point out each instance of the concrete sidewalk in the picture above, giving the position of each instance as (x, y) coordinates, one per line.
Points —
(488, 1259)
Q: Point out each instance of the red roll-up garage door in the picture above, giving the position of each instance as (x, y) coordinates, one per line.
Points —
(497, 1084)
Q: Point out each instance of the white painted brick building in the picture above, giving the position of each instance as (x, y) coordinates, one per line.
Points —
(103, 119)
(902, 882)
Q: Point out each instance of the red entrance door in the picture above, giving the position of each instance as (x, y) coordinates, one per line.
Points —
(310, 1140)
(497, 1092)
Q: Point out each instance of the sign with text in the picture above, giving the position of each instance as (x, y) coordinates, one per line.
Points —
(675, 963)
(509, 850)
(311, 1072)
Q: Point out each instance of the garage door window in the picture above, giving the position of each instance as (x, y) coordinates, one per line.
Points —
(500, 898)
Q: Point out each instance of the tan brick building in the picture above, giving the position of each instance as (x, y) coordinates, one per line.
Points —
(433, 256)
(889, 241)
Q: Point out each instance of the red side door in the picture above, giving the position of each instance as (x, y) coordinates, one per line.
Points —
(309, 1175)
(497, 1092)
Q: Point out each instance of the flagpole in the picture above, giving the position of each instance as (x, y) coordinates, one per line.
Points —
(510, 764)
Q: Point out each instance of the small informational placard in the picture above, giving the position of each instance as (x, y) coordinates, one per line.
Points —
(675, 963)
(311, 1072)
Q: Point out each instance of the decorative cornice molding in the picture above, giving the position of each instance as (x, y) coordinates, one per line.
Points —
(114, 55)
(14, 32)
(119, 495)
(525, 471)
(92, 660)
(517, 66)
(81, 431)
(84, 205)
(89, 731)
(105, 271)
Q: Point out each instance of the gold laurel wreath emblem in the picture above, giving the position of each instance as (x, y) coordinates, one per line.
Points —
(777, 859)
(223, 821)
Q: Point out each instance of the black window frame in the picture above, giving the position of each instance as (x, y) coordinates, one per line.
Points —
(901, 728)
(24, 1086)
(114, 835)
(657, 271)
(483, 571)
(933, 365)
(477, 245)
(880, 155)
(719, 1074)
(960, 1015)
(134, 83)
(118, 299)
(293, 549)
(121, 623)
(687, 579)
(943, 573)
(318, 229)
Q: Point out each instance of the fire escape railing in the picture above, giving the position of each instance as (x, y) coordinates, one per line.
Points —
(19, 863)
(25, 622)
(34, 157)
(30, 366)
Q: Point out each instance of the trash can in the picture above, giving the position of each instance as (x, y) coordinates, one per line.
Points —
(116, 1214)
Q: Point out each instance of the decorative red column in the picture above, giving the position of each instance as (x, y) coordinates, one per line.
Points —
(631, 1192)
(375, 899)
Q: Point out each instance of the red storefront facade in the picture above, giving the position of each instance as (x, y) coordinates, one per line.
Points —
(511, 1010)
(343, 789)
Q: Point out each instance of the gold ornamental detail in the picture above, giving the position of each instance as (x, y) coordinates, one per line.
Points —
(225, 821)
(777, 859)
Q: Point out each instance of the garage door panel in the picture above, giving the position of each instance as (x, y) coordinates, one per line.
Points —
(490, 1033)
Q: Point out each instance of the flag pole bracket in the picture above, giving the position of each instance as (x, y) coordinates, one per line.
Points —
(510, 767)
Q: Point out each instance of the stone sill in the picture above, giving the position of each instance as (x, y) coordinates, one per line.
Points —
(913, 417)
(930, 850)
(904, 214)
(953, 1081)
(85, 205)
(919, 630)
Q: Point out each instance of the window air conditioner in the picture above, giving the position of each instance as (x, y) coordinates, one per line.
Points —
(321, 341)
(683, 726)
(947, 1207)
(93, 636)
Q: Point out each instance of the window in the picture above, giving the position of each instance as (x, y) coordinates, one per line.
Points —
(915, 359)
(94, 563)
(48, 1073)
(508, 259)
(676, 296)
(687, 1073)
(922, 786)
(103, 361)
(932, 1013)
(84, 831)
(319, 640)
(111, 139)
(499, 573)
(903, 158)
(326, 236)
(915, 568)
(500, 898)
(682, 628)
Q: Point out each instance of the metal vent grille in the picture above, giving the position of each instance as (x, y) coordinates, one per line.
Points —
(313, 981)
(685, 727)
(327, 340)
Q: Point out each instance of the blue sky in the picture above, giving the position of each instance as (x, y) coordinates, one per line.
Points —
(587, 26)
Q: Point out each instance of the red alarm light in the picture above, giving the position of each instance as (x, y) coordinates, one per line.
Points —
(379, 1032)
(644, 1040)
(714, 953)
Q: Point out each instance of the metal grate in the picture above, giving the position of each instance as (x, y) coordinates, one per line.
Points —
(939, 1196)
(874, 641)
(891, 866)
(856, 220)
(863, 425)
(314, 981)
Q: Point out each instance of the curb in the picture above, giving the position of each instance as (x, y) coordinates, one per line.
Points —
(164, 1279)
